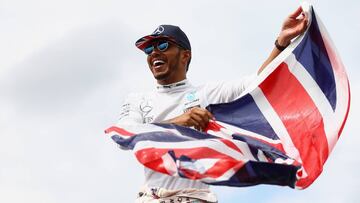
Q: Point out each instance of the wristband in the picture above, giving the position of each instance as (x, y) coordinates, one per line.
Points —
(278, 46)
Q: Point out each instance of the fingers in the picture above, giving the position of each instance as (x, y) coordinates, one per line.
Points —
(194, 123)
(200, 117)
(202, 112)
(296, 13)
(304, 25)
(195, 117)
(201, 122)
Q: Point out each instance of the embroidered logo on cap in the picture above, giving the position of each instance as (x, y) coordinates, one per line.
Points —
(159, 30)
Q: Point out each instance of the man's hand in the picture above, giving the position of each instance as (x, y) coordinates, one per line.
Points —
(195, 117)
(294, 25)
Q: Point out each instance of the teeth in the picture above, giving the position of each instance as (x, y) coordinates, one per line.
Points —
(158, 62)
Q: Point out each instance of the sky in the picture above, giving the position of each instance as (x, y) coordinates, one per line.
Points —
(66, 66)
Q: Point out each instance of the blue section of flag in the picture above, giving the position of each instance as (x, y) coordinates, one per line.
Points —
(245, 114)
(254, 173)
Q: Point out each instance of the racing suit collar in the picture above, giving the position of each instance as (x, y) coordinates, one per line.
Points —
(174, 86)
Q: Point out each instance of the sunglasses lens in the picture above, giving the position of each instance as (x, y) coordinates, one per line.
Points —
(162, 46)
(148, 50)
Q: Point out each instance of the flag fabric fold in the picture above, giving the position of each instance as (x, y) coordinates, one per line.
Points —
(280, 131)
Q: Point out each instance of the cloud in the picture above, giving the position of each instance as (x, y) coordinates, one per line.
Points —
(69, 68)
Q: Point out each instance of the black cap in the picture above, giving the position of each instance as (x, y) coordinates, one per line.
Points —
(172, 32)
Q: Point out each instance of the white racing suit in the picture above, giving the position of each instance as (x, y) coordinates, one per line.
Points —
(170, 101)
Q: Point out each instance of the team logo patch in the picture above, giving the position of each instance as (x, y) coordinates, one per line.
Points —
(191, 101)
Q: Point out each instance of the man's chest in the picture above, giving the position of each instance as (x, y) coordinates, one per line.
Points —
(159, 107)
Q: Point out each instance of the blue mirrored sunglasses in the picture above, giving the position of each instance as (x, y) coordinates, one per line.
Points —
(161, 46)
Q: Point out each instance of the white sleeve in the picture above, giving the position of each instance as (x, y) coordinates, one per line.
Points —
(226, 91)
(130, 112)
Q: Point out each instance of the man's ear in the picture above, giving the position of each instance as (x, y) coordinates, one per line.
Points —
(186, 56)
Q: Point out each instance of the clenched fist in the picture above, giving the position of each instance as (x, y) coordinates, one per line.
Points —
(195, 117)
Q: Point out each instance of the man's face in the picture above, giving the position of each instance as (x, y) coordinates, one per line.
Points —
(167, 64)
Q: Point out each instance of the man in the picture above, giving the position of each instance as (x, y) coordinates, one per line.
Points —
(176, 101)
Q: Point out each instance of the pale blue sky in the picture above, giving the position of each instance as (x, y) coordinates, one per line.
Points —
(66, 65)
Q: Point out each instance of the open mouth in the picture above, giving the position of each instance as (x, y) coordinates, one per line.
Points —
(158, 63)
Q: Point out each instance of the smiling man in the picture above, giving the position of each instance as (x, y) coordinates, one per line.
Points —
(176, 101)
(167, 54)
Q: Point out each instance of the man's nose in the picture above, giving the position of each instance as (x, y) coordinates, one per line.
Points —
(155, 52)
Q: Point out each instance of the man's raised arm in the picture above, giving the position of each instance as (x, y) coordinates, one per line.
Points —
(294, 25)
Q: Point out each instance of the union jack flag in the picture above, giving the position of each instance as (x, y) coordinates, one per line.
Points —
(280, 131)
